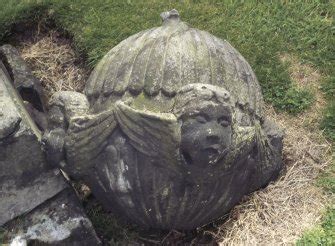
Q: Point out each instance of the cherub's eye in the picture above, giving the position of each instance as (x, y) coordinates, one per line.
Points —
(201, 119)
(224, 121)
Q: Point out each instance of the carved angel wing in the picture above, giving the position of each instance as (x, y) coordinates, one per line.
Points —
(156, 135)
(268, 156)
(87, 136)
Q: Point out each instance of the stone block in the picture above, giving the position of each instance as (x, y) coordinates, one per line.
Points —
(31, 190)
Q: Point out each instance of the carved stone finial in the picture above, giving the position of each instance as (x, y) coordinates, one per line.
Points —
(164, 139)
(170, 15)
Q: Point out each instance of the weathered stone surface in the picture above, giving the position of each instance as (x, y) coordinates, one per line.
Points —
(25, 83)
(174, 134)
(21, 157)
(159, 61)
(58, 221)
(17, 199)
(29, 187)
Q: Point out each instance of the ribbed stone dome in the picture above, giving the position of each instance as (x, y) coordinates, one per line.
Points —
(159, 61)
(171, 135)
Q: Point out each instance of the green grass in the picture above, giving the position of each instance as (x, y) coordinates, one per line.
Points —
(260, 30)
(325, 233)
(2, 235)
(328, 122)
(108, 227)
(16, 11)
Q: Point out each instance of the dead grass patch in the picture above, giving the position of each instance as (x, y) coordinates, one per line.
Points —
(307, 77)
(54, 62)
(280, 213)
(304, 75)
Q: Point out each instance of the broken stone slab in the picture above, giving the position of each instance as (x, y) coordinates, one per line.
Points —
(29, 186)
(17, 199)
(28, 86)
(58, 221)
(21, 157)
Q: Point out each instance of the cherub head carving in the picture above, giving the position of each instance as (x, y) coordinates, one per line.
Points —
(206, 116)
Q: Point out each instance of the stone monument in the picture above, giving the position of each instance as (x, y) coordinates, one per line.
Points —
(36, 203)
(170, 130)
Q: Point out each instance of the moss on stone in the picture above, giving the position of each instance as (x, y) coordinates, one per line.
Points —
(155, 104)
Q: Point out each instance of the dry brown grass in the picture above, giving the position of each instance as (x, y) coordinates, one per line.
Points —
(303, 75)
(276, 215)
(54, 62)
(280, 213)
(307, 77)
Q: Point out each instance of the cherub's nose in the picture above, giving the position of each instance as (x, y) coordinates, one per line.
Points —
(213, 133)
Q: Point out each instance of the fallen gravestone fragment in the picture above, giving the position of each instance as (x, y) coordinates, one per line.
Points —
(170, 131)
(23, 80)
(58, 221)
(27, 85)
(36, 203)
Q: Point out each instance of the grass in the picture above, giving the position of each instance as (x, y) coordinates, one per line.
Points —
(262, 32)
(54, 62)
(108, 227)
(2, 233)
(15, 11)
(325, 233)
(328, 122)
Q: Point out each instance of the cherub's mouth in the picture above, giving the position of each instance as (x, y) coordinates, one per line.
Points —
(213, 149)
(211, 152)
(215, 153)
(214, 146)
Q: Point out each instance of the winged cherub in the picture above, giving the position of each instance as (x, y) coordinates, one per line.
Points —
(164, 164)
(171, 130)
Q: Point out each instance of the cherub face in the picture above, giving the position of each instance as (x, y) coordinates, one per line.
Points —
(206, 134)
